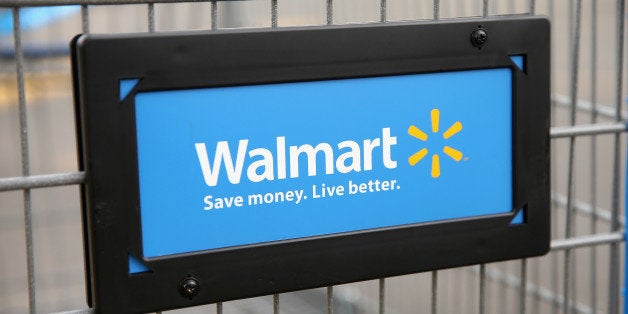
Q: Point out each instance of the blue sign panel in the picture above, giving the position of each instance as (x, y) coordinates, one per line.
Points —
(231, 166)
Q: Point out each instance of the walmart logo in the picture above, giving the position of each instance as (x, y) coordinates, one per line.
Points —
(449, 151)
(282, 160)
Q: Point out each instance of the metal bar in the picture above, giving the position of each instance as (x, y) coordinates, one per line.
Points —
(436, 9)
(151, 17)
(536, 304)
(485, 8)
(382, 11)
(603, 110)
(330, 289)
(593, 160)
(554, 280)
(434, 292)
(330, 300)
(41, 181)
(219, 308)
(83, 311)
(585, 208)
(568, 263)
(553, 168)
(532, 7)
(382, 296)
(588, 129)
(614, 271)
(275, 303)
(28, 227)
(330, 12)
(85, 18)
(586, 241)
(273, 13)
(214, 14)
(523, 286)
(273, 21)
(503, 293)
(482, 288)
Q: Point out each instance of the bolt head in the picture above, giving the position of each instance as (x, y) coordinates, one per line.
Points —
(479, 37)
(189, 287)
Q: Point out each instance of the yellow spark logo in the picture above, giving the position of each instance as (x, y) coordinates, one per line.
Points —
(449, 151)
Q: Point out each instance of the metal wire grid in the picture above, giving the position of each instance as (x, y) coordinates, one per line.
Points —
(565, 302)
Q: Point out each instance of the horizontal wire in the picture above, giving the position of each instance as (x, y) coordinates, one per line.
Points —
(84, 311)
(587, 241)
(41, 181)
(603, 110)
(585, 208)
(587, 129)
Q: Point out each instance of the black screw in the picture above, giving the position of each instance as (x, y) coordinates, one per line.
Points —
(189, 287)
(479, 37)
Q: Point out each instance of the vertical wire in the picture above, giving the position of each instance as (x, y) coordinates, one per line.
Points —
(436, 9)
(434, 292)
(593, 151)
(330, 289)
(553, 255)
(536, 304)
(28, 227)
(532, 7)
(276, 303)
(273, 13)
(468, 285)
(214, 14)
(330, 12)
(330, 299)
(485, 8)
(523, 286)
(613, 293)
(569, 262)
(459, 290)
(445, 307)
(382, 295)
(503, 299)
(435, 273)
(85, 18)
(382, 11)
(213, 6)
(273, 22)
(151, 17)
(482, 288)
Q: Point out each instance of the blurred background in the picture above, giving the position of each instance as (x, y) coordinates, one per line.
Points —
(582, 274)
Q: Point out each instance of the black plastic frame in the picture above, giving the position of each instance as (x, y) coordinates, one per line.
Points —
(166, 61)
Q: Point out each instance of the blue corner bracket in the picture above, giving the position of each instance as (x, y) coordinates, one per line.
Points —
(519, 61)
(126, 86)
(519, 217)
(136, 266)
